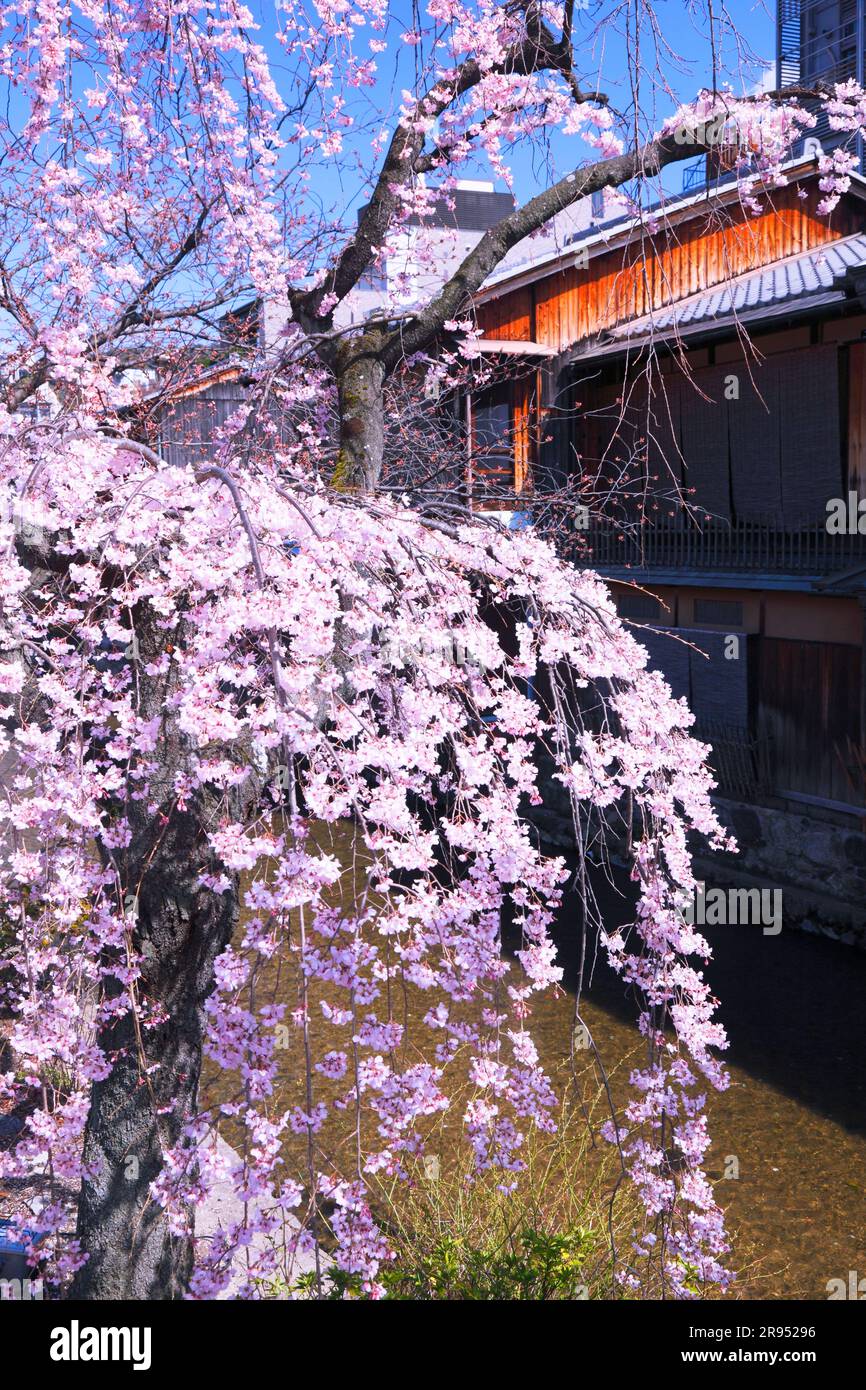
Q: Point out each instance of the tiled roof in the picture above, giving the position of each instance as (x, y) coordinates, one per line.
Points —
(812, 273)
(808, 281)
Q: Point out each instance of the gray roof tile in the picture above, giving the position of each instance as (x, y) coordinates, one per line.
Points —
(813, 272)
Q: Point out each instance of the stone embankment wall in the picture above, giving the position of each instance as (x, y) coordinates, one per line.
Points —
(820, 866)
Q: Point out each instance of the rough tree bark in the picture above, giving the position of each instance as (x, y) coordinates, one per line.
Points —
(360, 374)
(136, 1113)
(134, 1117)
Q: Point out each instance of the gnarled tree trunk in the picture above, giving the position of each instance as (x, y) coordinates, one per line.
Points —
(361, 391)
(136, 1115)
(140, 1108)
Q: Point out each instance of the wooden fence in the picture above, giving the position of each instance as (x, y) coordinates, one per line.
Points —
(750, 546)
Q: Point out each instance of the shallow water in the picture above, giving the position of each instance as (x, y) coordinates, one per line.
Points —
(792, 1125)
(794, 1117)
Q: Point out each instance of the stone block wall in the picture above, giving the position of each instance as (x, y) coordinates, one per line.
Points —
(819, 865)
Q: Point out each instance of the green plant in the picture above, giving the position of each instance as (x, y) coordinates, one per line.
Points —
(547, 1234)
(529, 1264)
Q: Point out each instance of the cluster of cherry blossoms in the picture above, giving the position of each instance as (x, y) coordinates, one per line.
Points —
(306, 647)
(240, 639)
(207, 145)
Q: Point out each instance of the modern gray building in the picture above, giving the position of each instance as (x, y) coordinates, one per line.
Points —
(821, 41)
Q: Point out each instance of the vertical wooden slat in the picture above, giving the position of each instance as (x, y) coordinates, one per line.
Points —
(627, 282)
(857, 419)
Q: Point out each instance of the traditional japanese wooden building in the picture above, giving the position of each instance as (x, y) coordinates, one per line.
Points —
(692, 385)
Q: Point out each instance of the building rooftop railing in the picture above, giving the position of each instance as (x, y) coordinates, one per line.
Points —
(748, 546)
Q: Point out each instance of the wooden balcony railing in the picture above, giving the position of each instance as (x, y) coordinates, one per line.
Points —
(741, 762)
(750, 546)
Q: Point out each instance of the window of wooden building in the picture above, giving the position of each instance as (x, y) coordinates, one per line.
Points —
(502, 442)
(742, 442)
(715, 677)
(781, 714)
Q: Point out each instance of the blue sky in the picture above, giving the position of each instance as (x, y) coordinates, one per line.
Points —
(682, 24)
(687, 65)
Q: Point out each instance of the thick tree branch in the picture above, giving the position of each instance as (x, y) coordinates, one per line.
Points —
(648, 160)
(537, 51)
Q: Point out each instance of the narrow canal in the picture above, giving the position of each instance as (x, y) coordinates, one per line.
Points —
(789, 1135)
(794, 1117)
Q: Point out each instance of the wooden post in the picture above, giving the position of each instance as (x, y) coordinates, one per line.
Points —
(862, 733)
(522, 404)
(856, 480)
